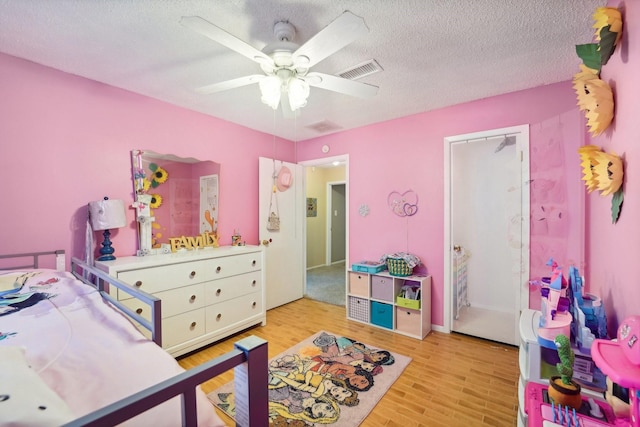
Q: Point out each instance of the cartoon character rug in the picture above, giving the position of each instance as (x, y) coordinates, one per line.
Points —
(325, 379)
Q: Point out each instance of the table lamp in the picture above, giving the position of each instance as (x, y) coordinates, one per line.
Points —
(105, 215)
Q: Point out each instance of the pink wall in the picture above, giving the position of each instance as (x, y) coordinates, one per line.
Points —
(408, 153)
(66, 140)
(613, 249)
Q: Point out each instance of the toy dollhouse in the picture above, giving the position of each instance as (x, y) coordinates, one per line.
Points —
(566, 310)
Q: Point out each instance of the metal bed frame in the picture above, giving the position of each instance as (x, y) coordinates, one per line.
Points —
(249, 359)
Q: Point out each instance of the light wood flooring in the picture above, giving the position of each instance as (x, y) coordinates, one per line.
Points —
(453, 379)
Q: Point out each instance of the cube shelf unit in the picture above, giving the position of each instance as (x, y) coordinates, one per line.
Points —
(374, 299)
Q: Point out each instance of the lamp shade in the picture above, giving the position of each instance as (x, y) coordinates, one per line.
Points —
(271, 89)
(107, 214)
(298, 93)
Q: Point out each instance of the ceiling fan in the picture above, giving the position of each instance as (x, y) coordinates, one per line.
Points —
(286, 65)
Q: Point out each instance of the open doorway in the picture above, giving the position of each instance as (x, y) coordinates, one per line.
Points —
(326, 189)
(487, 232)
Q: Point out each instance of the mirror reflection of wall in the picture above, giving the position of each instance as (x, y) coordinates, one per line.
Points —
(184, 196)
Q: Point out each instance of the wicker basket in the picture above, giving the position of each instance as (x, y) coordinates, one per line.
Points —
(398, 267)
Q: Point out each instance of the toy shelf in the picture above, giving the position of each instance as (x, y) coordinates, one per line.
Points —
(378, 299)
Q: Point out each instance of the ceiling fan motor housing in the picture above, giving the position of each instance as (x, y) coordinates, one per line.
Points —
(284, 31)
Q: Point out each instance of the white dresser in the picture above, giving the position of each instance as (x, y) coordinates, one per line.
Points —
(206, 294)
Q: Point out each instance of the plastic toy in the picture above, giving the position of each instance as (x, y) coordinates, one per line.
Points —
(556, 318)
(590, 321)
(618, 398)
(620, 361)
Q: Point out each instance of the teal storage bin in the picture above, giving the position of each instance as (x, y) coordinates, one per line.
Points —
(382, 314)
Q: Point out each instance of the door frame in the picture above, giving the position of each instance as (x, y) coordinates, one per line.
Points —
(344, 158)
(329, 223)
(522, 140)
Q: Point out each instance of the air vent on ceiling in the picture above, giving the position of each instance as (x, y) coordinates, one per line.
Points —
(365, 69)
(324, 126)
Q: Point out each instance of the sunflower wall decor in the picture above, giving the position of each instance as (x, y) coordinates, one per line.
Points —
(160, 175)
(603, 172)
(595, 97)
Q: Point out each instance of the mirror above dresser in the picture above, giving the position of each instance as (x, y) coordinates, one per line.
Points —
(174, 197)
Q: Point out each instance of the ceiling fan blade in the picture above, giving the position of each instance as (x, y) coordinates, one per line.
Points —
(219, 35)
(230, 84)
(345, 29)
(338, 84)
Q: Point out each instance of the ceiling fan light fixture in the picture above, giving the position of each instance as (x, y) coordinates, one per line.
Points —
(298, 91)
(271, 90)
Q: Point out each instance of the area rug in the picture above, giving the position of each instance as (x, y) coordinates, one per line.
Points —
(326, 379)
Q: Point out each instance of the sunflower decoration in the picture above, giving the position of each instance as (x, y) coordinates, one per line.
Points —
(146, 184)
(160, 175)
(595, 96)
(608, 25)
(579, 85)
(156, 201)
(588, 163)
(603, 172)
(599, 113)
(607, 172)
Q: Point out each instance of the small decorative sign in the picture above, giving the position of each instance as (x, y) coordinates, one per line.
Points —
(204, 240)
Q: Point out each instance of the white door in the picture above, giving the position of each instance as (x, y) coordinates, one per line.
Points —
(284, 249)
(487, 215)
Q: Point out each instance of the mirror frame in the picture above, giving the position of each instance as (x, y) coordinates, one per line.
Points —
(145, 179)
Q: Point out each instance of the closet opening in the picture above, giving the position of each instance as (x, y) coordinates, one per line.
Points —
(487, 233)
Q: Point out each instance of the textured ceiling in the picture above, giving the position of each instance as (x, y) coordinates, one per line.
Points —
(434, 53)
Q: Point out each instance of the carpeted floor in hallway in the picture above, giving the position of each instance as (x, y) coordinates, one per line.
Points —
(327, 284)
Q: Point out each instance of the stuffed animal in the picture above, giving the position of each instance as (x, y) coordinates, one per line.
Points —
(618, 398)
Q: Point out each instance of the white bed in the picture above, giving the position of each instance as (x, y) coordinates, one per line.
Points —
(65, 347)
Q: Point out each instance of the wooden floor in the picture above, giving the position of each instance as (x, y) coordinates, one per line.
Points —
(453, 380)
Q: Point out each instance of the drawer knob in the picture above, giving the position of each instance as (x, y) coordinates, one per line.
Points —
(253, 283)
(254, 304)
(192, 274)
(219, 291)
(139, 311)
(253, 263)
(219, 269)
(193, 325)
(219, 316)
(138, 283)
(193, 298)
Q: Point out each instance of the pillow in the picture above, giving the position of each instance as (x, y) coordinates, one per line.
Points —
(25, 399)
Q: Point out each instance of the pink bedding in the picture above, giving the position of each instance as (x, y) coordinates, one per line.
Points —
(88, 352)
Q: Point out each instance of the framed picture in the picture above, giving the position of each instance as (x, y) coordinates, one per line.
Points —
(312, 206)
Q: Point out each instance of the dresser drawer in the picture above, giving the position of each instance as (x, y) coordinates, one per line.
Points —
(162, 278)
(232, 265)
(382, 288)
(183, 327)
(222, 290)
(174, 301)
(233, 311)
